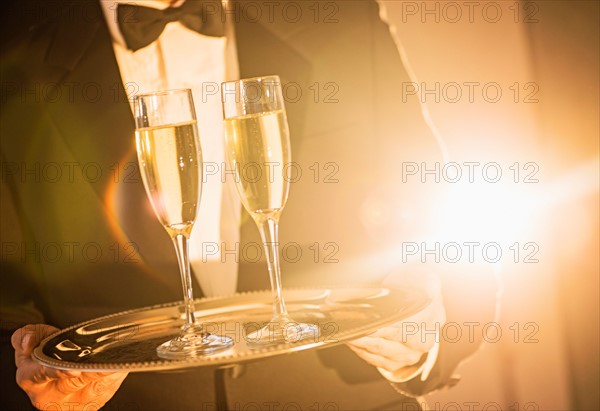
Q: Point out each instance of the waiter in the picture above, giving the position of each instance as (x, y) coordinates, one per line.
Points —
(69, 70)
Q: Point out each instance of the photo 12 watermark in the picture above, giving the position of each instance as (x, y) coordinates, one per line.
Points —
(469, 252)
(470, 92)
(469, 332)
(253, 252)
(70, 252)
(470, 172)
(470, 12)
(470, 406)
(272, 406)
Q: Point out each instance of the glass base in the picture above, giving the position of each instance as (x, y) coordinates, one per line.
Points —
(282, 331)
(193, 343)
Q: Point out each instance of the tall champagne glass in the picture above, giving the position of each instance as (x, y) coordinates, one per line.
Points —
(258, 149)
(170, 160)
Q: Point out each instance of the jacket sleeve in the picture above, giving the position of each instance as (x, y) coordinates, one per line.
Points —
(469, 291)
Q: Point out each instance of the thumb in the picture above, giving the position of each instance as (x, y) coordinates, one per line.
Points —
(25, 339)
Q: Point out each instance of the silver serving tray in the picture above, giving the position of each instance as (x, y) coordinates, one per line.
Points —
(127, 341)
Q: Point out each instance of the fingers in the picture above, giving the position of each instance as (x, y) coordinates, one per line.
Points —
(30, 372)
(108, 383)
(379, 361)
(48, 385)
(28, 337)
(25, 339)
(418, 337)
(423, 329)
(419, 332)
(388, 349)
(99, 384)
(107, 377)
(414, 336)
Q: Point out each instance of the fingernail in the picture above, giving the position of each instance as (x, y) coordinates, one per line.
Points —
(25, 342)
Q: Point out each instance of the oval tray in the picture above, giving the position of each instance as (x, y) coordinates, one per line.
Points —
(127, 341)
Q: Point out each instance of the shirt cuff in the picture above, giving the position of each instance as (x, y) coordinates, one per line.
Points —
(423, 367)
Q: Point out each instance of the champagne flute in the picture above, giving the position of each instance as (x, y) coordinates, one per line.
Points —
(170, 160)
(258, 150)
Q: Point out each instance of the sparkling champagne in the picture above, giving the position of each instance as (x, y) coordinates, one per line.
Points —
(170, 164)
(258, 148)
(258, 151)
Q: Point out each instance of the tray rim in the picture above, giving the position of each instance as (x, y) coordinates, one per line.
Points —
(224, 361)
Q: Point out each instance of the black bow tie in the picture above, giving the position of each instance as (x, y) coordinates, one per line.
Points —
(140, 26)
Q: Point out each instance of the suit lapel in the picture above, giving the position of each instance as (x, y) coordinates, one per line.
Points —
(94, 120)
(92, 113)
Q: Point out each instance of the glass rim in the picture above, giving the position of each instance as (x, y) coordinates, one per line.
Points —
(162, 93)
(243, 80)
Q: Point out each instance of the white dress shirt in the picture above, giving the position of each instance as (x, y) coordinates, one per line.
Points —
(183, 58)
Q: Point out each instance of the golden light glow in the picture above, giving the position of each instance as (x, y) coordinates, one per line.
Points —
(484, 211)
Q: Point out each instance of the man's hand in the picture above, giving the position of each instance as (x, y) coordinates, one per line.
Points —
(400, 351)
(72, 390)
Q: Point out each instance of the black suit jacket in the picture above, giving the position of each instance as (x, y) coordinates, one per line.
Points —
(84, 243)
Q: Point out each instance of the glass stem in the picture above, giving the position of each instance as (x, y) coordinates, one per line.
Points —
(269, 234)
(181, 246)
